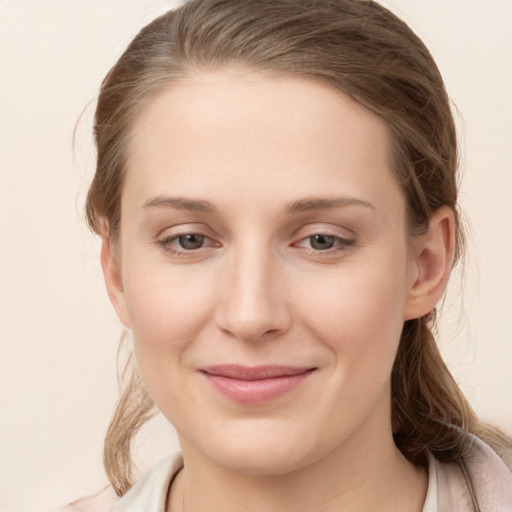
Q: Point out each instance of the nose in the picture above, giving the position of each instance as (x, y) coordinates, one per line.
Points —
(254, 304)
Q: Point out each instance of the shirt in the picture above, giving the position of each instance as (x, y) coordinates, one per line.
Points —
(447, 489)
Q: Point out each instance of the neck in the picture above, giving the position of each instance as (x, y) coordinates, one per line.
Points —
(355, 477)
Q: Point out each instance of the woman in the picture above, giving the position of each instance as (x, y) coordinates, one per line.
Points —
(276, 194)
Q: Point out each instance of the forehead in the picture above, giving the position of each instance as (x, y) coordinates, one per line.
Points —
(234, 99)
(249, 131)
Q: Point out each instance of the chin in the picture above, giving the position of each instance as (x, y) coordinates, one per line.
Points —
(266, 460)
(261, 449)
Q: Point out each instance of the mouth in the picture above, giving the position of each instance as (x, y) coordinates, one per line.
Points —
(254, 385)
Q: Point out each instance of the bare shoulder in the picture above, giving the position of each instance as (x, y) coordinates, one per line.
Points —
(99, 502)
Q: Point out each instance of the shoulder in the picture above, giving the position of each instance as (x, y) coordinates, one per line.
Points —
(490, 477)
(150, 492)
(102, 501)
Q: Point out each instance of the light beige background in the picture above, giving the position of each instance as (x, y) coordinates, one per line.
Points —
(57, 330)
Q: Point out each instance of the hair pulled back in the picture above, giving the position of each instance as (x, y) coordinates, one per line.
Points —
(361, 49)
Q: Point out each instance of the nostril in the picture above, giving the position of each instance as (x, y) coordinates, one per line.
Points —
(254, 329)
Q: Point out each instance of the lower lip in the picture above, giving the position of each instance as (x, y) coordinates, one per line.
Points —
(252, 392)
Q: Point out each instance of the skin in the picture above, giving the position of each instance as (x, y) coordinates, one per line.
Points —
(260, 291)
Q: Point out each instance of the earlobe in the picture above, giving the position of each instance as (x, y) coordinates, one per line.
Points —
(433, 254)
(114, 281)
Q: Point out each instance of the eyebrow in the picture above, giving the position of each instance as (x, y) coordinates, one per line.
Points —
(314, 204)
(299, 206)
(181, 203)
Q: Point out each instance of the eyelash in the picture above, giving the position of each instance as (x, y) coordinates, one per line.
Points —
(341, 244)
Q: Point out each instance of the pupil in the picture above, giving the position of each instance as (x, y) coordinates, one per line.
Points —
(191, 241)
(322, 242)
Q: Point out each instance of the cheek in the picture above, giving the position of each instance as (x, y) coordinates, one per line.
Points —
(353, 296)
(359, 318)
(167, 311)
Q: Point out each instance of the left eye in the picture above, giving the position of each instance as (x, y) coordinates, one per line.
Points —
(325, 242)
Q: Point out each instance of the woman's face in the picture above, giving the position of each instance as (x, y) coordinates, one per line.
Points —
(265, 269)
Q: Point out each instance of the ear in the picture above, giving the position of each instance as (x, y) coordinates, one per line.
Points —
(433, 257)
(114, 281)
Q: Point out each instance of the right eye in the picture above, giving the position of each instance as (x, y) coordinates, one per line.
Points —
(190, 241)
(184, 243)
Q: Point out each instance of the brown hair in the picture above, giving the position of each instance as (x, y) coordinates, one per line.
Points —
(363, 50)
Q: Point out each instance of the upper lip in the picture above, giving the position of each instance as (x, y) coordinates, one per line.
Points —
(254, 372)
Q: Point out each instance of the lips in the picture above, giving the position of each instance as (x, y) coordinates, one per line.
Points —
(254, 385)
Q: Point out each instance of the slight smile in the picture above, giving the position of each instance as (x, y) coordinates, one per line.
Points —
(254, 385)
